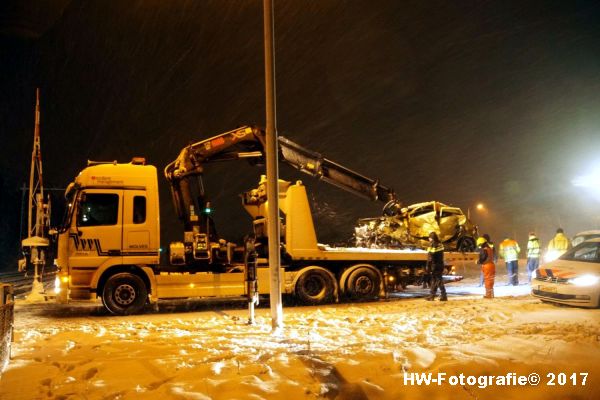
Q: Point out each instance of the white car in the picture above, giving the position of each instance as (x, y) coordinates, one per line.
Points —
(573, 278)
(583, 236)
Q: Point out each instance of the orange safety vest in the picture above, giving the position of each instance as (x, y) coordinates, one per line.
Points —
(509, 250)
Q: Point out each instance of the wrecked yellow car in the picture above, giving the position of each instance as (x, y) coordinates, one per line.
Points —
(409, 227)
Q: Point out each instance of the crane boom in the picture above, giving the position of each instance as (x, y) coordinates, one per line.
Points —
(319, 167)
(249, 142)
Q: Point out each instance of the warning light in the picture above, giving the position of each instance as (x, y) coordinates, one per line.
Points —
(138, 161)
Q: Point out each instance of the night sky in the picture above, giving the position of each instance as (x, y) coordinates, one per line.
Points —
(459, 101)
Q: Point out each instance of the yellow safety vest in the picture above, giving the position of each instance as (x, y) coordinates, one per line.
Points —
(509, 249)
(533, 248)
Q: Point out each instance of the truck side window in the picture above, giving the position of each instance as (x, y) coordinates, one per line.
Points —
(139, 209)
(98, 209)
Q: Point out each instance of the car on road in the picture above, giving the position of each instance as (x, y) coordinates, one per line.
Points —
(573, 278)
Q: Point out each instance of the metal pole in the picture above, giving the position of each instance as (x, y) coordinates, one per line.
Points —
(34, 160)
(251, 282)
(23, 189)
(272, 169)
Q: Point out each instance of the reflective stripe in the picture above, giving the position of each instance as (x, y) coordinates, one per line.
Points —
(435, 249)
(555, 273)
(565, 275)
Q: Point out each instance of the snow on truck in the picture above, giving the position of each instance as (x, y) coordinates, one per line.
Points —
(109, 243)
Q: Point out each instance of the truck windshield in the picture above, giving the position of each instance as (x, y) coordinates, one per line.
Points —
(97, 209)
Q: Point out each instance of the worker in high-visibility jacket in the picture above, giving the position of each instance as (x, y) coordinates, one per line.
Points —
(489, 242)
(557, 246)
(509, 250)
(435, 267)
(488, 268)
(533, 254)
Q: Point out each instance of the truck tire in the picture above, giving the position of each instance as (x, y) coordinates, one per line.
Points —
(363, 283)
(124, 294)
(466, 245)
(315, 286)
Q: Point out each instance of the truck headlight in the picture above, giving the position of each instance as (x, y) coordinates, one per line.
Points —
(585, 280)
(57, 285)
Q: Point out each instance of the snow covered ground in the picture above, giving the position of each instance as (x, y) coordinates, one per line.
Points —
(205, 350)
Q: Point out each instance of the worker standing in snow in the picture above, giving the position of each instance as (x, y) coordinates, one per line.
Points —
(488, 268)
(435, 267)
(509, 250)
(533, 254)
(489, 242)
(558, 245)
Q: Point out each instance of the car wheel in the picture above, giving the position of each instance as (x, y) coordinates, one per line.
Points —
(466, 245)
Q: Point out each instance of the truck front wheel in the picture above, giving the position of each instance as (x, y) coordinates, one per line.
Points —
(124, 294)
(315, 286)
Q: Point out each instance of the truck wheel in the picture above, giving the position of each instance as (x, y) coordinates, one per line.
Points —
(124, 294)
(466, 245)
(363, 283)
(315, 286)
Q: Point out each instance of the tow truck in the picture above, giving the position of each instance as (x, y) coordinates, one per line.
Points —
(109, 243)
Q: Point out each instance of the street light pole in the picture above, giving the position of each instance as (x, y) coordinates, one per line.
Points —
(272, 169)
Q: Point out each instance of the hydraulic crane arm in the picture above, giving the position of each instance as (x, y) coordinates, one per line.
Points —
(316, 165)
(245, 142)
(249, 142)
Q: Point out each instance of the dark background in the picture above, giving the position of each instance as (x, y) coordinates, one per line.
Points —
(458, 101)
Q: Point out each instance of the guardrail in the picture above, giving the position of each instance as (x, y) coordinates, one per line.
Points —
(7, 318)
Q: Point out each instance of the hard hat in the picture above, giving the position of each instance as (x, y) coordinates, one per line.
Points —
(480, 241)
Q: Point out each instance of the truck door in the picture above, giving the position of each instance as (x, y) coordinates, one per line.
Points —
(96, 232)
(140, 226)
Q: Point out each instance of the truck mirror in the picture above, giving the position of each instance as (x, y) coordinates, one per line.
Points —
(81, 199)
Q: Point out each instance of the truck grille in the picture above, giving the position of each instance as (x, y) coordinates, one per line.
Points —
(558, 296)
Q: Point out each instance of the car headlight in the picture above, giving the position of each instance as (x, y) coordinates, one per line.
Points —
(585, 280)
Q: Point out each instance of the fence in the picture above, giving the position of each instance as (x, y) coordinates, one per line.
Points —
(6, 323)
(21, 284)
